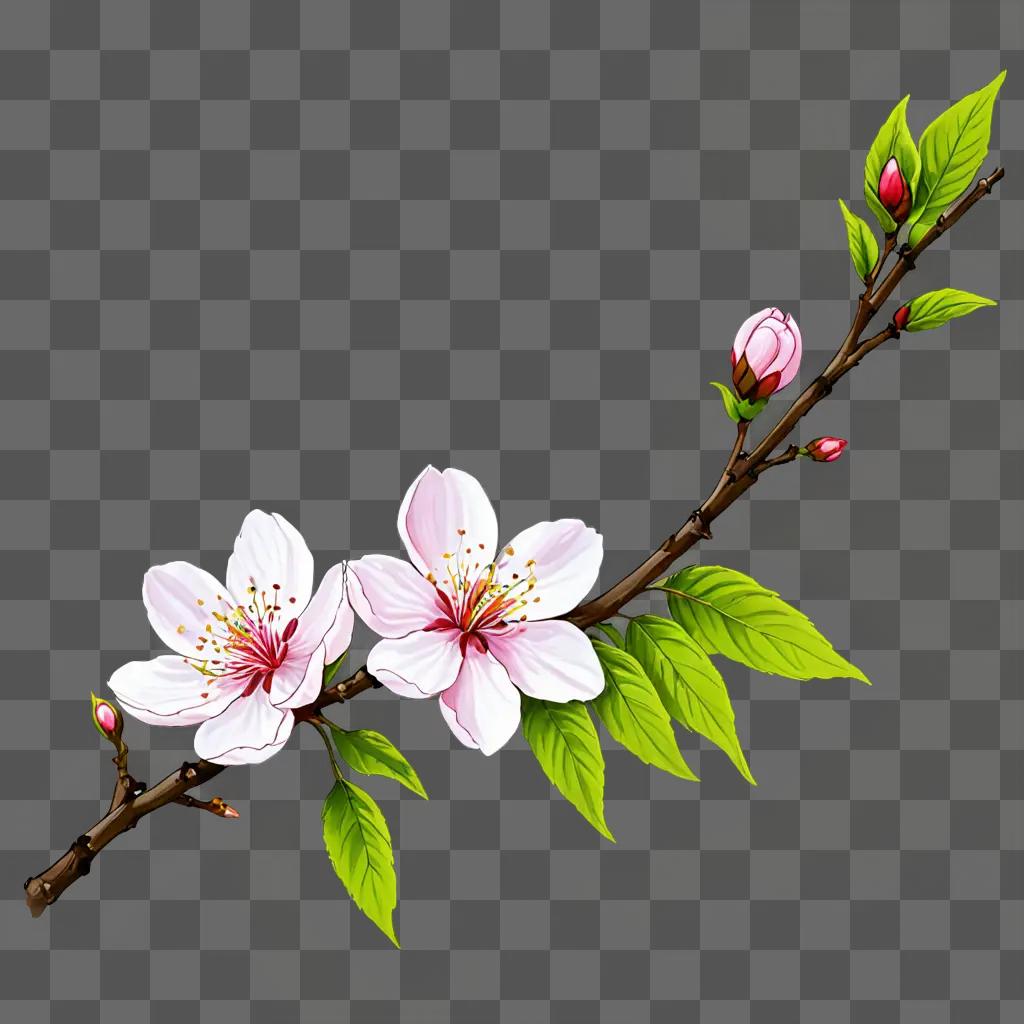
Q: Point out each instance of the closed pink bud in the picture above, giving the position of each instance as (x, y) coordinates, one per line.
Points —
(826, 449)
(766, 354)
(106, 718)
(893, 191)
(901, 317)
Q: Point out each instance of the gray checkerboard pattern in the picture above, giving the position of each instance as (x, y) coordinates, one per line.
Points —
(283, 254)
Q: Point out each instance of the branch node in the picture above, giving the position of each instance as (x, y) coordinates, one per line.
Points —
(905, 255)
(826, 385)
(701, 526)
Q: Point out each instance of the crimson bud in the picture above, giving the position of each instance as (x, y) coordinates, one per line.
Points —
(894, 192)
(825, 449)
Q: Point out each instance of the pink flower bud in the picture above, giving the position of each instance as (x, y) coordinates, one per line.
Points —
(106, 718)
(766, 354)
(893, 191)
(826, 449)
(901, 317)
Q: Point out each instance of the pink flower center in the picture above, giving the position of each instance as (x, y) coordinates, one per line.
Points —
(249, 641)
(473, 599)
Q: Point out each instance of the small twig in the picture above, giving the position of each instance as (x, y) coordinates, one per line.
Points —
(789, 455)
(215, 806)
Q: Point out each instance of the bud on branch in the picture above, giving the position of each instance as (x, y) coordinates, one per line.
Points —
(894, 192)
(825, 449)
(766, 354)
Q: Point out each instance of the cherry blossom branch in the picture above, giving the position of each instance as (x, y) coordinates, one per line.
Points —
(745, 469)
(740, 474)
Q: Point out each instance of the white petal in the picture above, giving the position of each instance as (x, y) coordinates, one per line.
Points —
(567, 558)
(180, 599)
(482, 704)
(269, 550)
(302, 685)
(169, 691)
(319, 616)
(390, 596)
(248, 731)
(324, 628)
(435, 508)
(418, 665)
(339, 636)
(550, 660)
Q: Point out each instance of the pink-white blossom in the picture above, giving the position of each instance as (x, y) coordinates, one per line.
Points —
(247, 651)
(472, 623)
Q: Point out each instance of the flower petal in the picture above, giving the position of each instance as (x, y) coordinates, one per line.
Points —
(418, 665)
(567, 558)
(390, 596)
(269, 550)
(794, 350)
(299, 683)
(170, 691)
(248, 731)
(482, 705)
(180, 599)
(320, 615)
(339, 636)
(435, 509)
(748, 327)
(549, 660)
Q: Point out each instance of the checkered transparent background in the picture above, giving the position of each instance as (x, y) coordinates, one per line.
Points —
(283, 254)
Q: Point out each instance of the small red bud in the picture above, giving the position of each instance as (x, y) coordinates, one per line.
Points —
(106, 718)
(901, 317)
(894, 192)
(825, 449)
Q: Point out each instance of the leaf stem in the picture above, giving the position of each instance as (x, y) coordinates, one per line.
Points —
(316, 723)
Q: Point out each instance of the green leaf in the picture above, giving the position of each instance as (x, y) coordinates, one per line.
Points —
(634, 715)
(933, 309)
(953, 147)
(729, 613)
(691, 688)
(893, 140)
(738, 408)
(749, 409)
(615, 638)
(330, 671)
(359, 844)
(863, 246)
(729, 400)
(371, 753)
(564, 741)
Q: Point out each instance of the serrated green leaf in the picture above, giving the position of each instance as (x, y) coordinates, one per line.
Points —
(632, 712)
(862, 243)
(893, 140)
(615, 638)
(933, 309)
(691, 688)
(372, 753)
(953, 148)
(359, 844)
(729, 613)
(729, 400)
(565, 743)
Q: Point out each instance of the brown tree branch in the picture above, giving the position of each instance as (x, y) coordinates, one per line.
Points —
(740, 475)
